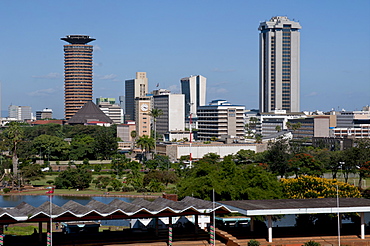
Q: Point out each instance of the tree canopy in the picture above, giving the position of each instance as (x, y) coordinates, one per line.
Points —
(229, 181)
(316, 187)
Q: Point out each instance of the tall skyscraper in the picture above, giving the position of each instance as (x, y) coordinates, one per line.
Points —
(279, 65)
(78, 68)
(194, 88)
(134, 88)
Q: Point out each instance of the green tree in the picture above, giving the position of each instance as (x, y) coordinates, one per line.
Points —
(14, 134)
(229, 181)
(32, 172)
(277, 156)
(116, 184)
(163, 177)
(105, 143)
(155, 113)
(158, 162)
(245, 156)
(51, 147)
(358, 158)
(119, 163)
(146, 143)
(82, 147)
(74, 178)
(305, 164)
(135, 178)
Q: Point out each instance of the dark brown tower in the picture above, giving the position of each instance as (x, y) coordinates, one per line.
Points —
(77, 73)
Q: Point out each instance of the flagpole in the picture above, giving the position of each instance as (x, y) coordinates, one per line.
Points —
(51, 222)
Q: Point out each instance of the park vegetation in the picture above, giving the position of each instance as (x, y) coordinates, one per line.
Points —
(287, 169)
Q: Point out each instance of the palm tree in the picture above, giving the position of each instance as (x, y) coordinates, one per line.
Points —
(146, 143)
(155, 113)
(133, 136)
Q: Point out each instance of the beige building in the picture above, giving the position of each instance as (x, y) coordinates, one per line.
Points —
(134, 88)
(143, 119)
(220, 119)
(310, 127)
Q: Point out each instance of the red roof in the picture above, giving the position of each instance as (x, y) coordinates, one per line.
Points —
(43, 122)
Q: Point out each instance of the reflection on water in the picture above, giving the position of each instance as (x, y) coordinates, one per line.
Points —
(12, 201)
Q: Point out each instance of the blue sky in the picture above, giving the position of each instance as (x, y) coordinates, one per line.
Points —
(172, 39)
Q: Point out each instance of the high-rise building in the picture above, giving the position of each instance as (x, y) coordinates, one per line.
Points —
(78, 66)
(194, 88)
(172, 118)
(134, 88)
(279, 65)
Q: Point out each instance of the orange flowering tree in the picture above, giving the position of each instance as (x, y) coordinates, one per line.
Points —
(315, 187)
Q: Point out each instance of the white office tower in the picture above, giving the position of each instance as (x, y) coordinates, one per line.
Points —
(172, 106)
(194, 89)
(279, 65)
(134, 88)
(20, 112)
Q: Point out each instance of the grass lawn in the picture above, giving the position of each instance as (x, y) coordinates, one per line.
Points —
(20, 230)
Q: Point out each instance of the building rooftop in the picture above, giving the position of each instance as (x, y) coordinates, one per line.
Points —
(78, 39)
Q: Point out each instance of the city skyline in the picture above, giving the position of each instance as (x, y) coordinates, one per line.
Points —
(171, 40)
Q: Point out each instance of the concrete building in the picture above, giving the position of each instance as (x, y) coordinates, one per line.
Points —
(270, 123)
(352, 124)
(194, 89)
(142, 118)
(78, 74)
(109, 100)
(134, 88)
(279, 65)
(220, 119)
(175, 150)
(311, 127)
(20, 113)
(172, 106)
(124, 131)
(111, 109)
(46, 113)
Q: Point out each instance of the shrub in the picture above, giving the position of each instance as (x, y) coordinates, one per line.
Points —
(140, 190)
(127, 189)
(253, 242)
(6, 190)
(110, 189)
(50, 181)
(312, 243)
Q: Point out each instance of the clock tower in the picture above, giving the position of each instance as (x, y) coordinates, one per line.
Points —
(143, 119)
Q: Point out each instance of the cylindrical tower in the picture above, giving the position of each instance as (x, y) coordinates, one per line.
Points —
(77, 73)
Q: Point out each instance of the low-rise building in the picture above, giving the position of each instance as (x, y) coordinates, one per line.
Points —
(175, 150)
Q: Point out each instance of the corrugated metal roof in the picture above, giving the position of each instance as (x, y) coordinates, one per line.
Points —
(117, 209)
